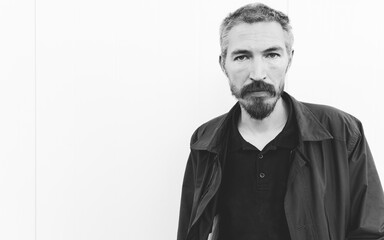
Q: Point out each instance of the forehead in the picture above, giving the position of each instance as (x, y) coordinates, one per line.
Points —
(258, 36)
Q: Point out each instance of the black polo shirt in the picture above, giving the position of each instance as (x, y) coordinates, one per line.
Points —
(251, 204)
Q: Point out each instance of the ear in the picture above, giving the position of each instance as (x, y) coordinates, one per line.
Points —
(290, 60)
(221, 62)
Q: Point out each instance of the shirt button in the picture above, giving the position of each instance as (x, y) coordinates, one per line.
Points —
(261, 156)
(262, 175)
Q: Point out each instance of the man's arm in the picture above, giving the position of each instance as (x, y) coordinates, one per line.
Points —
(187, 194)
(367, 199)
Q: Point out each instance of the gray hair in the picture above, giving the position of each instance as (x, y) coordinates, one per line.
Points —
(253, 13)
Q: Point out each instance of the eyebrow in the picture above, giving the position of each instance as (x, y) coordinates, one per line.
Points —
(239, 52)
(274, 49)
(243, 51)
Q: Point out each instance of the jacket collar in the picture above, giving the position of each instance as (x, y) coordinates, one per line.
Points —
(310, 128)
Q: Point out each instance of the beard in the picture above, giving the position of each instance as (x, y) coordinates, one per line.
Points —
(258, 107)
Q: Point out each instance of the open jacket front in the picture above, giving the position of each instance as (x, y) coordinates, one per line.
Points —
(333, 190)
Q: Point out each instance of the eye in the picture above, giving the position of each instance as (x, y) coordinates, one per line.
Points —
(273, 55)
(241, 58)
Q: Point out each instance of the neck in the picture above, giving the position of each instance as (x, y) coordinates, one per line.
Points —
(274, 122)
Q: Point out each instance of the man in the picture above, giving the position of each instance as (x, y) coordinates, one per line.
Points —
(273, 167)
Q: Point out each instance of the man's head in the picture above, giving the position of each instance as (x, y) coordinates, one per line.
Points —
(256, 52)
(254, 13)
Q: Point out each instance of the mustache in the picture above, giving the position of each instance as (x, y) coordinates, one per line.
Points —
(258, 86)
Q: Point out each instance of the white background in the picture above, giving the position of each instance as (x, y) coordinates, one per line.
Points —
(98, 100)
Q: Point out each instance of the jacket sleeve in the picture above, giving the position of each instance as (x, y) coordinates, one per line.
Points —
(366, 194)
(187, 194)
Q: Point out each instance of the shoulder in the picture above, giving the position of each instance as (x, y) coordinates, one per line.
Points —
(325, 112)
(338, 122)
(208, 128)
(210, 133)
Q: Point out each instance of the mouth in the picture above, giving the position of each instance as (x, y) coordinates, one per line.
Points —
(259, 94)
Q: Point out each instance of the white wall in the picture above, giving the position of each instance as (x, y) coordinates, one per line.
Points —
(17, 120)
(120, 87)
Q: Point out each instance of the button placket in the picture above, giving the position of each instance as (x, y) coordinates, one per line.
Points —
(261, 173)
(262, 182)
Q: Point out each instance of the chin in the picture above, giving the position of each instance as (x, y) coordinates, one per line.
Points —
(259, 107)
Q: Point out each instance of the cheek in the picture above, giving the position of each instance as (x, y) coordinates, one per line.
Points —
(277, 72)
(237, 75)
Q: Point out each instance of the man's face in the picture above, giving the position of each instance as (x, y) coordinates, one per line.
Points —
(256, 65)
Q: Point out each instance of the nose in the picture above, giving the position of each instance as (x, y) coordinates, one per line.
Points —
(257, 70)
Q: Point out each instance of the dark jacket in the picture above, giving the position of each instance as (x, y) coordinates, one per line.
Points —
(333, 190)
